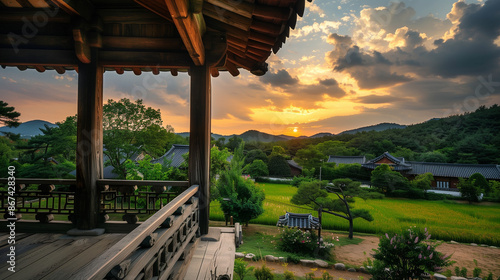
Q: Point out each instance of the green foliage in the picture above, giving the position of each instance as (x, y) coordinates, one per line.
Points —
(241, 269)
(406, 255)
(326, 276)
(257, 168)
(288, 275)
(477, 272)
(386, 180)
(469, 190)
(255, 154)
(423, 181)
(239, 197)
(299, 179)
(310, 157)
(263, 273)
(463, 272)
(457, 271)
(129, 129)
(490, 276)
(480, 182)
(8, 115)
(278, 166)
(294, 240)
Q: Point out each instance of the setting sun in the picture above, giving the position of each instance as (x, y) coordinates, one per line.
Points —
(295, 130)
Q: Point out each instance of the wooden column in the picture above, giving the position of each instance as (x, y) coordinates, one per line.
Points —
(199, 139)
(89, 142)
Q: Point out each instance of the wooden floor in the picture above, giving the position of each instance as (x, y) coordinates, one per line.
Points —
(51, 256)
(213, 254)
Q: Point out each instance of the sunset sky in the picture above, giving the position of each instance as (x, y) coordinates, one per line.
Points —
(348, 63)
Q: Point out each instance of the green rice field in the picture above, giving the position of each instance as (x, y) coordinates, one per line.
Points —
(446, 220)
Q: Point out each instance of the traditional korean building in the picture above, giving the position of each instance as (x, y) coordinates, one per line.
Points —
(200, 37)
(446, 175)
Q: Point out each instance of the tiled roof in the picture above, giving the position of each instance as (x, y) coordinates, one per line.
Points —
(306, 221)
(294, 164)
(489, 171)
(347, 159)
(174, 155)
(399, 163)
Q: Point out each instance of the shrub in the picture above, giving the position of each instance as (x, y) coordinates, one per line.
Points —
(463, 272)
(263, 273)
(294, 240)
(293, 259)
(241, 269)
(406, 255)
(289, 275)
(476, 272)
(258, 168)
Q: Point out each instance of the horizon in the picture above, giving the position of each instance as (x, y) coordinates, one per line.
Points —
(397, 62)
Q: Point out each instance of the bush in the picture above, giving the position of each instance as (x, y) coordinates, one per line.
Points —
(258, 168)
(299, 179)
(294, 240)
(263, 273)
(289, 275)
(241, 269)
(406, 255)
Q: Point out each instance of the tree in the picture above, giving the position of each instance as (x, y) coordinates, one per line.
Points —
(278, 166)
(257, 168)
(315, 195)
(387, 180)
(255, 154)
(469, 190)
(406, 255)
(480, 182)
(239, 197)
(129, 129)
(423, 181)
(309, 157)
(8, 115)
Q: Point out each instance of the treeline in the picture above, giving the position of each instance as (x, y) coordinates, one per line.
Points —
(130, 129)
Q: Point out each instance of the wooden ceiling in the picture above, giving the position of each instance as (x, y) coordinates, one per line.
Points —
(145, 35)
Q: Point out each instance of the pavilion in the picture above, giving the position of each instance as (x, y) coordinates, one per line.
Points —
(201, 37)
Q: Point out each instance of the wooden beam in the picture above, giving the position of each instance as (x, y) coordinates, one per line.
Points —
(40, 68)
(227, 17)
(82, 47)
(157, 7)
(31, 57)
(60, 70)
(216, 47)
(130, 16)
(232, 69)
(259, 45)
(141, 43)
(216, 25)
(144, 59)
(17, 15)
(266, 27)
(241, 8)
(199, 140)
(38, 42)
(214, 72)
(270, 12)
(259, 37)
(82, 8)
(191, 28)
(89, 156)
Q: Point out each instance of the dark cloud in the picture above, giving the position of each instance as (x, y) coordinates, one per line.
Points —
(471, 52)
(379, 99)
(279, 79)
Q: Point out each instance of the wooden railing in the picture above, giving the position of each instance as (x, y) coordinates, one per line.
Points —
(153, 249)
(117, 196)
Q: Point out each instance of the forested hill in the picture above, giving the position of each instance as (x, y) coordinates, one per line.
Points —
(467, 138)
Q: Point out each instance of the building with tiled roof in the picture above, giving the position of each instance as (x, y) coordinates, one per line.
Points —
(445, 174)
(346, 159)
(303, 221)
(174, 156)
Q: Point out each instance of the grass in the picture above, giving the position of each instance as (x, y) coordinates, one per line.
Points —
(263, 240)
(478, 223)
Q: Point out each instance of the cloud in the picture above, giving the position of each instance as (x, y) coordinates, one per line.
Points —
(325, 27)
(470, 51)
(313, 8)
(279, 79)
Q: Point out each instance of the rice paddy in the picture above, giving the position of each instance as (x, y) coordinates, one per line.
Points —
(446, 220)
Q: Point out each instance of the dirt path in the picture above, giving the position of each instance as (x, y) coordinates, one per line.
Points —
(488, 259)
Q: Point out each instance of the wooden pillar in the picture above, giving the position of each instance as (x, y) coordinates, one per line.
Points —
(89, 142)
(199, 139)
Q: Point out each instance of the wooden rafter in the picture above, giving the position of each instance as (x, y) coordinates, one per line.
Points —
(80, 8)
(190, 26)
